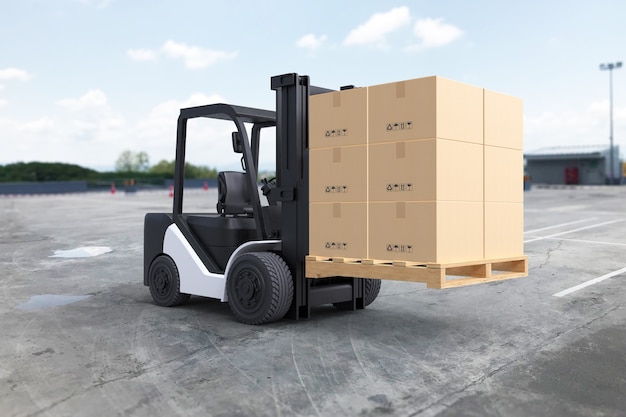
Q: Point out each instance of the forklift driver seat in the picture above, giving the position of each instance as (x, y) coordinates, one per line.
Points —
(233, 195)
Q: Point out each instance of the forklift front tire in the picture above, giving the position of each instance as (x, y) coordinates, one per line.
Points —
(259, 288)
(372, 288)
(164, 282)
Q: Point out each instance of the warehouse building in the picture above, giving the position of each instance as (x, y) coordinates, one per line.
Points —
(584, 165)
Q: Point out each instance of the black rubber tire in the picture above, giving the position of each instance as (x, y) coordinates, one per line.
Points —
(164, 282)
(372, 288)
(259, 288)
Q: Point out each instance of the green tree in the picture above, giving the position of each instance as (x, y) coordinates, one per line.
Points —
(164, 168)
(130, 161)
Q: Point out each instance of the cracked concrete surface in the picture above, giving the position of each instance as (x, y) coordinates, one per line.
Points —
(501, 349)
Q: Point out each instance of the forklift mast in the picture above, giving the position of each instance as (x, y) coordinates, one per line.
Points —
(292, 172)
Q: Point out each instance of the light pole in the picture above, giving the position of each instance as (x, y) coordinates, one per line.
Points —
(610, 68)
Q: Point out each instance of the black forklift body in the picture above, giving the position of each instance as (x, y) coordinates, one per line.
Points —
(214, 237)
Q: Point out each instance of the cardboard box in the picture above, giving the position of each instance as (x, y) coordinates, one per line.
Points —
(504, 175)
(425, 108)
(437, 232)
(338, 174)
(338, 118)
(338, 230)
(503, 120)
(426, 170)
(504, 230)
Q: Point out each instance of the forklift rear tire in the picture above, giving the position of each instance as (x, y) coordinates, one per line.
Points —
(164, 282)
(259, 288)
(372, 288)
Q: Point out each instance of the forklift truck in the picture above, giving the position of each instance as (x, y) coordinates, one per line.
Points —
(248, 254)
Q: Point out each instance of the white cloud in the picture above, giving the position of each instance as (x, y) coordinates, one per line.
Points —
(588, 126)
(311, 41)
(92, 98)
(378, 26)
(161, 122)
(88, 131)
(3, 102)
(14, 74)
(208, 140)
(142, 54)
(434, 33)
(194, 56)
(1, 87)
(83, 130)
(90, 119)
(43, 125)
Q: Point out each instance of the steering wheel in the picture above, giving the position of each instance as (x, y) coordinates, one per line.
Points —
(268, 184)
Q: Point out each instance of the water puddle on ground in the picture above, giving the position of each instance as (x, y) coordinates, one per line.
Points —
(82, 252)
(38, 302)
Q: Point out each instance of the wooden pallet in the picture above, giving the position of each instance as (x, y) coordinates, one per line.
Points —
(432, 274)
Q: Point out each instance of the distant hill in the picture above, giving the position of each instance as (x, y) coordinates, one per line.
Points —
(44, 171)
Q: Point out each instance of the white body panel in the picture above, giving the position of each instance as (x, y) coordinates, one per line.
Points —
(195, 278)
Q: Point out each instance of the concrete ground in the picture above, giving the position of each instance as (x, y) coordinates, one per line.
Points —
(82, 337)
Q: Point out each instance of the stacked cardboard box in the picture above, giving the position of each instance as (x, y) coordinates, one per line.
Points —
(433, 177)
(504, 167)
(426, 171)
(338, 180)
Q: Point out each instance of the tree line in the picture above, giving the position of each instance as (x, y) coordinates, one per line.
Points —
(128, 166)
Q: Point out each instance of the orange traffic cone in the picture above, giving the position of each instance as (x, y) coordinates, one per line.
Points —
(206, 186)
(171, 191)
(112, 188)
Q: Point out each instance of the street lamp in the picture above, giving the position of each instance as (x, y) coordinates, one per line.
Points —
(610, 67)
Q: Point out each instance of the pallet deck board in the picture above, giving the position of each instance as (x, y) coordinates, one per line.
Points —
(434, 275)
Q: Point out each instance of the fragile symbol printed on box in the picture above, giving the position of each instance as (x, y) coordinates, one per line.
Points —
(336, 188)
(336, 132)
(337, 245)
(399, 248)
(399, 125)
(399, 187)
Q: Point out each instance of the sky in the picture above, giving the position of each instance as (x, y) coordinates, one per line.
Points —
(81, 81)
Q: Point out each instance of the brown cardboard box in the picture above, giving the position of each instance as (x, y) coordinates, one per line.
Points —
(425, 108)
(338, 174)
(504, 230)
(338, 118)
(426, 170)
(338, 230)
(504, 175)
(503, 120)
(440, 232)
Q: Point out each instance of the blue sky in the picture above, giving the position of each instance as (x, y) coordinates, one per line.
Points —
(83, 80)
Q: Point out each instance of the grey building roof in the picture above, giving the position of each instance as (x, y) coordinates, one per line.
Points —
(571, 151)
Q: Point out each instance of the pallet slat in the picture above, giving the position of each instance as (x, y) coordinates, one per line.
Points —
(434, 275)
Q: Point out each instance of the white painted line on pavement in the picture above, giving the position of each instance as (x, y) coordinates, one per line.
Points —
(575, 230)
(561, 225)
(588, 283)
(586, 241)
